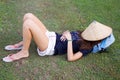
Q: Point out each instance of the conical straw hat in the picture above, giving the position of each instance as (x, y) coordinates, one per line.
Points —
(96, 31)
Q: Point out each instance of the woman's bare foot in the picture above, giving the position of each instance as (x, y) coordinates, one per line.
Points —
(13, 47)
(17, 56)
(20, 54)
(19, 44)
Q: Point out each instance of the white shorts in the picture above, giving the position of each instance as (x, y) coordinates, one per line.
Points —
(51, 44)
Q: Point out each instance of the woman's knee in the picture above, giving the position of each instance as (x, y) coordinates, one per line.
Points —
(28, 16)
(28, 23)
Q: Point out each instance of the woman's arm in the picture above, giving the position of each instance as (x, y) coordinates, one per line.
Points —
(70, 55)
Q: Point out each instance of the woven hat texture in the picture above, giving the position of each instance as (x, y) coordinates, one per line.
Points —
(96, 31)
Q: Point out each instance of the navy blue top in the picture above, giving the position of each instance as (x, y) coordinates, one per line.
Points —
(61, 46)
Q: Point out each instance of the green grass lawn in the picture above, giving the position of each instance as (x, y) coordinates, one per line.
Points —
(60, 15)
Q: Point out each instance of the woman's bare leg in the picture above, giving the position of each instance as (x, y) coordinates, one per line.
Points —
(35, 31)
(32, 17)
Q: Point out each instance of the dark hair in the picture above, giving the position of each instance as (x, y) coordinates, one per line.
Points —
(84, 44)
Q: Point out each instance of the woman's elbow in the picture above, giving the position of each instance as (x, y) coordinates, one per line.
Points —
(71, 59)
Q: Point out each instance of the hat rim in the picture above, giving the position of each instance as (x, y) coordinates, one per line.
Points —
(95, 39)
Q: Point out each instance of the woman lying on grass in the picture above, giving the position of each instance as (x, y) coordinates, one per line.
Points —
(76, 44)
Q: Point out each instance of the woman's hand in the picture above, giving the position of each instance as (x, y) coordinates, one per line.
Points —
(66, 35)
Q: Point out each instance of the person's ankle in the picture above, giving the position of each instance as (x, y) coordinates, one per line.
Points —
(18, 45)
(25, 52)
